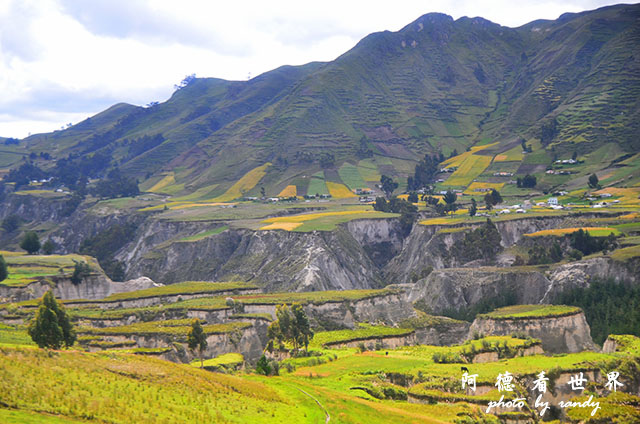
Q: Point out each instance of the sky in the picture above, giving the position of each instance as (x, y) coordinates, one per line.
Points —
(62, 61)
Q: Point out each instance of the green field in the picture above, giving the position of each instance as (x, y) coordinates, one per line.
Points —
(317, 185)
(351, 176)
(531, 311)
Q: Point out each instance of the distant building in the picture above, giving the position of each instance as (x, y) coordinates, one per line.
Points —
(552, 201)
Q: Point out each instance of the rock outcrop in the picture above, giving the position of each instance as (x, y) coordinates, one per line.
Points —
(559, 334)
(93, 287)
(456, 289)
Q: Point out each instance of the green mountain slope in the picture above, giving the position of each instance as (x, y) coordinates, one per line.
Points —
(437, 85)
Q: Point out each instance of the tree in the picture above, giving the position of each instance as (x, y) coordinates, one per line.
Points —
(30, 243)
(301, 327)
(4, 272)
(80, 271)
(388, 185)
(291, 326)
(48, 247)
(574, 156)
(413, 197)
(593, 181)
(474, 208)
(450, 198)
(196, 339)
(493, 198)
(263, 367)
(51, 327)
(529, 181)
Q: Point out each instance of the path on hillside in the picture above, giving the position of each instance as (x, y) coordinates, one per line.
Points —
(319, 404)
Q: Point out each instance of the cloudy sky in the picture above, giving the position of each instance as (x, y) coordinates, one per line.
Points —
(64, 60)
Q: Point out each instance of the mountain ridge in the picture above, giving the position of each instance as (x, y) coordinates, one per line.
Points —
(438, 85)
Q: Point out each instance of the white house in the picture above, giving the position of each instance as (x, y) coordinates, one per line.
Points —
(552, 201)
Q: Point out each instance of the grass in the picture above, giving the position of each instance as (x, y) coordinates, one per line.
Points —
(288, 191)
(531, 311)
(511, 155)
(350, 175)
(474, 187)
(468, 170)
(594, 231)
(339, 191)
(362, 332)
(176, 327)
(224, 360)
(369, 170)
(25, 269)
(626, 253)
(163, 183)
(317, 184)
(187, 287)
(122, 388)
(203, 235)
(244, 184)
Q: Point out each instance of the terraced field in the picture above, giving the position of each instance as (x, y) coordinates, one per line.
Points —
(594, 231)
(244, 184)
(468, 170)
(321, 221)
(339, 191)
(25, 269)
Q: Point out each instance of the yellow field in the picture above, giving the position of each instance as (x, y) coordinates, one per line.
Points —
(475, 186)
(310, 216)
(289, 191)
(195, 205)
(633, 215)
(511, 155)
(458, 160)
(472, 166)
(289, 226)
(339, 191)
(166, 181)
(244, 184)
(594, 231)
(628, 196)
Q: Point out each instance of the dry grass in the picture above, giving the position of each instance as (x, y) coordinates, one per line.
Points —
(339, 191)
(244, 184)
(289, 191)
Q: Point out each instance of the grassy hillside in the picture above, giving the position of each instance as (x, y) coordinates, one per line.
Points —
(437, 85)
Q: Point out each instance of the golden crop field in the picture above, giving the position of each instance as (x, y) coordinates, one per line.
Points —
(288, 226)
(339, 191)
(627, 196)
(289, 191)
(166, 181)
(475, 186)
(472, 166)
(244, 184)
(594, 231)
(458, 160)
(310, 216)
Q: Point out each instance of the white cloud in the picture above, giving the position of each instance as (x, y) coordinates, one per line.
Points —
(63, 60)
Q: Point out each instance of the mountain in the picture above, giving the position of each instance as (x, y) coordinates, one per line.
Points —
(436, 86)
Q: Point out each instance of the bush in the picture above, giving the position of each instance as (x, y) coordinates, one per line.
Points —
(30, 243)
